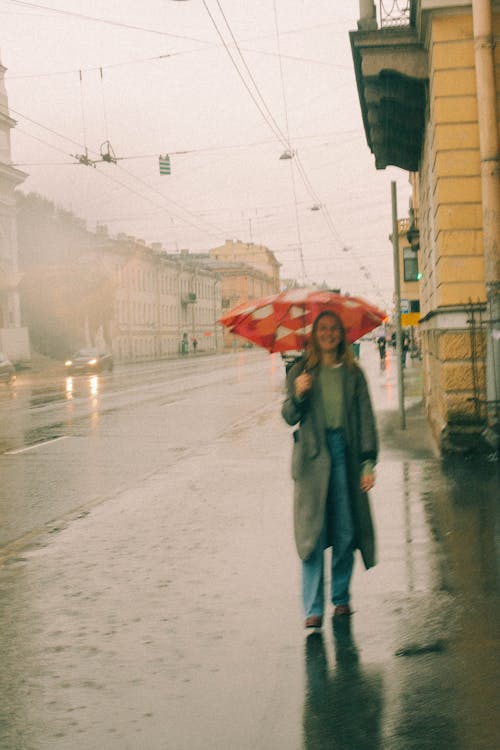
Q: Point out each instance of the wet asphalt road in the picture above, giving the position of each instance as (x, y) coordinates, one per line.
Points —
(155, 604)
(67, 443)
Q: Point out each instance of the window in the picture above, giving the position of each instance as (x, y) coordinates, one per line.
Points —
(410, 261)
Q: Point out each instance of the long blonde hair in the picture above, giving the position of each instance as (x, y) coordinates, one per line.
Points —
(313, 351)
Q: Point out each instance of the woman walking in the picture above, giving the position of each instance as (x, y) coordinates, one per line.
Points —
(334, 455)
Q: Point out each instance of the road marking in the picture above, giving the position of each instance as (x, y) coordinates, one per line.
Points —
(174, 402)
(35, 445)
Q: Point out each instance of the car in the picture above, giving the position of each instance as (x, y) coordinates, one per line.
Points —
(89, 361)
(7, 369)
(290, 358)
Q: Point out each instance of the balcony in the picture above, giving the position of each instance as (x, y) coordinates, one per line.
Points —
(391, 75)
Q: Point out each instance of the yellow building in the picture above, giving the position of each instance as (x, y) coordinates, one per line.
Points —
(256, 256)
(429, 98)
(248, 272)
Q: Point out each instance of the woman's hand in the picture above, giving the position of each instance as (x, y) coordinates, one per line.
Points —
(302, 384)
(367, 482)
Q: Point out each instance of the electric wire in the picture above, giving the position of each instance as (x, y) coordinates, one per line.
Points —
(91, 69)
(245, 64)
(170, 200)
(104, 106)
(135, 192)
(270, 120)
(110, 22)
(137, 61)
(300, 170)
(183, 152)
(83, 113)
(40, 125)
(287, 129)
(160, 208)
(276, 131)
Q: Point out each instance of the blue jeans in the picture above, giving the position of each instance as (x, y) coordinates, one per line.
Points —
(337, 532)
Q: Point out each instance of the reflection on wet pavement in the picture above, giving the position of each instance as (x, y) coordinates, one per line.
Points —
(343, 707)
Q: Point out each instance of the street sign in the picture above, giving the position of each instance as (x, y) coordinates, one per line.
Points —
(405, 305)
(410, 319)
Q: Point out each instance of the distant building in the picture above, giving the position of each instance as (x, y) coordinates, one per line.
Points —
(256, 256)
(162, 303)
(82, 288)
(14, 339)
(248, 272)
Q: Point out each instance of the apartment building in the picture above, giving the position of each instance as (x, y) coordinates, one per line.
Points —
(247, 271)
(163, 305)
(428, 92)
(14, 340)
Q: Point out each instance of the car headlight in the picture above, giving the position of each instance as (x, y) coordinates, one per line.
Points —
(92, 361)
(68, 362)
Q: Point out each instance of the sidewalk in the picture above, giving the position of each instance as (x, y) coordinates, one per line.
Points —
(168, 617)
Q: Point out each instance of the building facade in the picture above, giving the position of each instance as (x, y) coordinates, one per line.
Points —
(247, 271)
(14, 339)
(258, 257)
(162, 305)
(429, 92)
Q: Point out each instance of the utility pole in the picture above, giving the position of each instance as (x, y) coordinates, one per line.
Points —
(397, 300)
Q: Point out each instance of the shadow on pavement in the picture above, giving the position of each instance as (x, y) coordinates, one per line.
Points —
(343, 703)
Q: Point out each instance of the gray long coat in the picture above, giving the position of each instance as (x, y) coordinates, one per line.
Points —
(311, 458)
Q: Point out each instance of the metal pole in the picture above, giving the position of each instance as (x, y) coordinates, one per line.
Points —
(397, 301)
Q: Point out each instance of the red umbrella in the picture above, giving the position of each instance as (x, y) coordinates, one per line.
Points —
(283, 322)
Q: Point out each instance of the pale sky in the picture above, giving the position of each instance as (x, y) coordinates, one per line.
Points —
(170, 86)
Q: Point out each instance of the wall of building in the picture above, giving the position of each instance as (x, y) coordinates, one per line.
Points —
(450, 217)
(158, 302)
(257, 256)
(242, 283)
(14, 340)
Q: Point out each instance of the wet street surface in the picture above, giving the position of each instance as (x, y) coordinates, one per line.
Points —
(149, 584)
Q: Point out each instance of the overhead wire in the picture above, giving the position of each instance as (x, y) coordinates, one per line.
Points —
(110, 22)
(276, 130)
(150, 187)
(83, 113)
(250, 74)
(90, 69)
(287, 129)
(137, 61)
(183, 152)
(61, 135)
(268, 116)
(155, 203)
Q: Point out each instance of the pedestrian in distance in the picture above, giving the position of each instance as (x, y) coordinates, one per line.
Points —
(405, 345)
(333, 466)
(381, 343)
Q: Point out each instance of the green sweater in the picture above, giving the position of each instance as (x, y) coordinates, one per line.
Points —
(330, 379)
